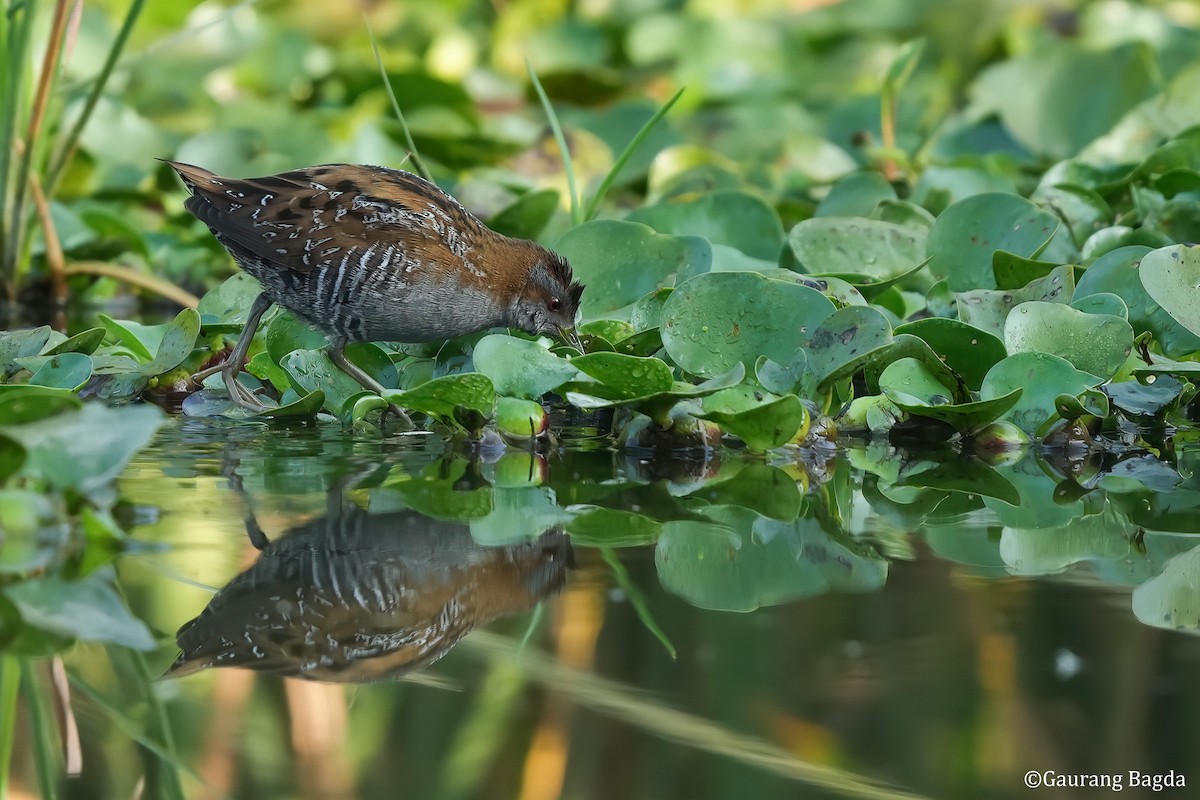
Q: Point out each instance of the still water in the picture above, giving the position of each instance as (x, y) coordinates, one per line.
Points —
(864, 622)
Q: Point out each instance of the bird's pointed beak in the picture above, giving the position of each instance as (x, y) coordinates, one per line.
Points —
(569, 336)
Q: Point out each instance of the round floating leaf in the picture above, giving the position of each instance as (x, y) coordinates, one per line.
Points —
(778, 378)
(988, 309)
(1171, 276)
(620, 262)
(967, 350)
(176, 340)
(304, 408)
(611, 330)
(230, 302)
(311, 371)
(20, 344)
(1095, 343)
(658, 406)
(762, 488)
(519, 367)
(647, 311)
(908, 381)
(855, 195)
(625, 377)
(732, 218)
(66, 371)
(285, 334)
(1119, 272)
(965, 235)
(714, 321)
(85, 342)
(1150, 398)
(844, 342)
(646, 343)
(763, 424)
(1102, 303)
(441, 397)
(1043, 377)
(607, 527)
(881, 250)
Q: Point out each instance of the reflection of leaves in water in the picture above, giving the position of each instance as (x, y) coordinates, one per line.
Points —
(739, 562)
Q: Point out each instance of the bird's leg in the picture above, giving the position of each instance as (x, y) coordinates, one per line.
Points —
(366, 381)
(240, 395)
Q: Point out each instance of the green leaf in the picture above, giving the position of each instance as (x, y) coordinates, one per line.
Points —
(67, 371)
(835, 245)
(967, 350)
(1043, 377)
(714, 321)
(844, 343)
(520, 419)
(87, 609)
(36, 531)
(527, 216)
(624, 377)
(620, 262)
(966, 235)
(1171, 276)
(763, 424)
(442, 397)
(519, 367)
(1095, 343)
(733, 218)
(84, 342)
(20, 344)
(24, 403)
(988, 309)
(856, 195)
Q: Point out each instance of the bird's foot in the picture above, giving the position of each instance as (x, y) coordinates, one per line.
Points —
(240, 395)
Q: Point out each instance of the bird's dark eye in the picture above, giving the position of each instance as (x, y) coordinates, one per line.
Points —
(555, 304)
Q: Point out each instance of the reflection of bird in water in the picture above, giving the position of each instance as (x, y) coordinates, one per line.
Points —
(357, 597)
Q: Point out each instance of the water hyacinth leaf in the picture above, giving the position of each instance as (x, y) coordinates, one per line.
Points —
(1013, 271)
(446, 492)
(1119, 272)
(520, 419)
(905, 213)
(907, 381)
(139, 340)
(1102, 303)
(855, 195)
(24, 403)
(625, 376)
(20, 344)
(1145, 399)
(527, 216)
(835, 245)
(714, 321)
(647, 311)
(658, 406)
(1095, 343)
(306, 407)
(965, 235)
(89, 610)
(869, 287)
(1116, 237)
(988, 309)
(644, 343)
(778, 378)
(620, 262)
(66, 371)
(734, 218)
(844, 342)
(1170, 600)
(176, 341)
(267, 371)
(1171, 276)
(311, 371)
(441, 397)
(285, 334)
(967, 350)
(84, 342)
(1043, 377)
(519, 367)
(762, 422)
(230, 302)
(87, 448)
(611, 330)
(842, 292)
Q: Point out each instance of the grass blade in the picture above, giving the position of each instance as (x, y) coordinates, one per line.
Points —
(626, 154)
(45, 742)
(17, 39)
(636, 598)
(568, 167)
(418, 162)
(10, 688)
(67, 147)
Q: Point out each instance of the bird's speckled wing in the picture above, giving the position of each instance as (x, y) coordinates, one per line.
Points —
(317, 217)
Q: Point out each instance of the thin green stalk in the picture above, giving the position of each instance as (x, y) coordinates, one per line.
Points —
(166, 767)
(33, 144)
(418, 162)
(66, 149)
(45, 739)
(634, 143)
(564, 152)
(10, 689)
(17, 65)
(636, 599)
(535, 620)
